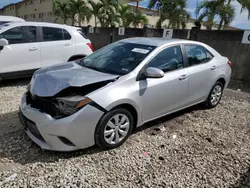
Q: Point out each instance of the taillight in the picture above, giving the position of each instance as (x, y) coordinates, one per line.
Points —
(90, 46)
(229, 63)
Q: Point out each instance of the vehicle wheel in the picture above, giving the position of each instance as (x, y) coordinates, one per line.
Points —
(75, 59)
(114, 128)
(214, 95)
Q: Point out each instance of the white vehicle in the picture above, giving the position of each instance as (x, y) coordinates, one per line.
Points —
(28, 46)
(8, 19)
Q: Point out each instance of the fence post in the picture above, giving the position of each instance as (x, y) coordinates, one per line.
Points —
(147, 32)
(112, 34)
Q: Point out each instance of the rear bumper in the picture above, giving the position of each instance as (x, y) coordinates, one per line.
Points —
(66, 134)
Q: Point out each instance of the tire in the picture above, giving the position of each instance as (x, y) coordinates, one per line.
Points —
(75, 58)
(104, 125)
(210, 103)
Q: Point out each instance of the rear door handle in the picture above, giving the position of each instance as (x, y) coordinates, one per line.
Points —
(68, 44)
(213, 68)
(183, 77)
(33, 49)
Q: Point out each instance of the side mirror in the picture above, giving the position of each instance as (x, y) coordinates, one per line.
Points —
(152, 72)
(3, 42)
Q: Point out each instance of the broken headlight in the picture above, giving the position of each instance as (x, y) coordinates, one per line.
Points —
(70, 105)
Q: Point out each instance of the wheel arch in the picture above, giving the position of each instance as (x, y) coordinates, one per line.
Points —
(75, 57)
(131, 107)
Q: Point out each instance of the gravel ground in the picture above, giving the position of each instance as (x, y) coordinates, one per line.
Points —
(193, 148)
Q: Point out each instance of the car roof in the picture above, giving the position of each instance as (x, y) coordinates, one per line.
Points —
(45, 24)
(11, 19)
(153, 41)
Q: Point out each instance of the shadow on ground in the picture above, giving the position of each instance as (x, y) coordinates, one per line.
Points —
(15, 82)
(17, 147)
(245, 87)
(244, 180)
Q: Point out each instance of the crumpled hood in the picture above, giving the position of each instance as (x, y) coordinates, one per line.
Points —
(49, 81)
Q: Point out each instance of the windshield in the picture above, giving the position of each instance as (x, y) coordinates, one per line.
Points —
(117, 58)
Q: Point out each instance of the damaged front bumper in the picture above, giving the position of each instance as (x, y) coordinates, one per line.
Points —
(67, 134)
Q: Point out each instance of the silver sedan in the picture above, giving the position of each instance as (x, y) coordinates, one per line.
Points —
(102, 98)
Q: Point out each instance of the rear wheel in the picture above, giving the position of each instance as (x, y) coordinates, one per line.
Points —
(215, 95)
(114, 128)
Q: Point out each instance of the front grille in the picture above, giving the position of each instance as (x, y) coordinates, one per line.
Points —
(42, 104)
(31, 126)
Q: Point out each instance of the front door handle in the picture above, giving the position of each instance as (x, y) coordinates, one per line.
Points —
(213, 68)
(68, 44)
(183, 77)
(33, 49)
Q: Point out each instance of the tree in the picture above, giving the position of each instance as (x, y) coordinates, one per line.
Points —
(226, 14)
(174, 10)
(223, 9)
(108, 13)
(138, 18)
(80, 8)
(61, 9)
(95, 10)
(208, 9)
(125, 15)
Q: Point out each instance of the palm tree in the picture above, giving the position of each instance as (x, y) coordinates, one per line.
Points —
(226, 14)
(80, 8)
(209, 11)
(108, 17)
(61, 9)
(108, 12)
(138, 18)
(125, 14)
(221, 8)
(174, 10)
(95, 9)
(245, 5)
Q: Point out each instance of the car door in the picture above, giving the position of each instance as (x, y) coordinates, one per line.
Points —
(57, 46)
(200, 70)
(160, 96)
(23, 52)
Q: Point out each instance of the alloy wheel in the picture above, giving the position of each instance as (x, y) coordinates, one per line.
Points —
(216, 95)
(116, 129)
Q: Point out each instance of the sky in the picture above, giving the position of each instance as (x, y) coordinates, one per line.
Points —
(240, 21)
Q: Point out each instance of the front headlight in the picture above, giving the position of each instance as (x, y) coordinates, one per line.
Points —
(70, 105)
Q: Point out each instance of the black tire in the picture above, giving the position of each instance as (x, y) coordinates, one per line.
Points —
(99, 132)
(75, 58)
(208, 102)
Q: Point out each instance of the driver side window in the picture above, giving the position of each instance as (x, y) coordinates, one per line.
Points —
(168, 59)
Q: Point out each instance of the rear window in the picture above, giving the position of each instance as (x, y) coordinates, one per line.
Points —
(55, 34)
(81, 33)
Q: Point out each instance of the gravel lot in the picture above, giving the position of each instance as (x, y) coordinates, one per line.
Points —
(193, 148)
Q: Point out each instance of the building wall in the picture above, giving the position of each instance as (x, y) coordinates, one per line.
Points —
(41, 10)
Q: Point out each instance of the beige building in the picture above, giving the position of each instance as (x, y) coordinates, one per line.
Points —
(42, 11)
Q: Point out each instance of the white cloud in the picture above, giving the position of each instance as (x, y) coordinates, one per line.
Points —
(241, 18)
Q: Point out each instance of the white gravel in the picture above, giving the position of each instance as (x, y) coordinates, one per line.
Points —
(194, 148)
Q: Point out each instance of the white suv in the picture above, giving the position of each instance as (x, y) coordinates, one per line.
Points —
(28, 46)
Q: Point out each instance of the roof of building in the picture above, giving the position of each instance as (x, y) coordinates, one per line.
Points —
(41, 24)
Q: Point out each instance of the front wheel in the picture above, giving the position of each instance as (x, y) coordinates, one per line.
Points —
(215, 95)
(114, 128)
